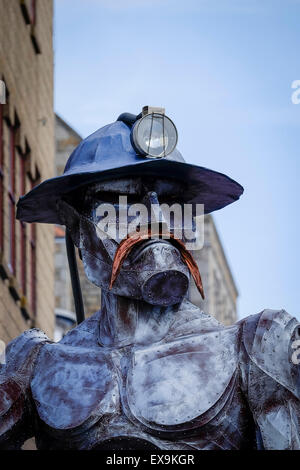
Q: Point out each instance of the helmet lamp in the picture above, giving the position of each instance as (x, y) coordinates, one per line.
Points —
(154, 135)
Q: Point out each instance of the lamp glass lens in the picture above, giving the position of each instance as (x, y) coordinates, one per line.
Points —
(157, 135)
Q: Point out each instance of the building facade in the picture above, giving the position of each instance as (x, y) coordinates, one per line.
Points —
(26, 158)
(219, 287)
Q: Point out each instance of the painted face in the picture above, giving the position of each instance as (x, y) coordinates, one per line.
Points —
(132, 239)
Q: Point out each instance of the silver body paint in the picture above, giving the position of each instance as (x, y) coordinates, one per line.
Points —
(155, 373)
(175, 380)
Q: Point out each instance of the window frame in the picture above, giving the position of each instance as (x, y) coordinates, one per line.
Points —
(29, 13)
(12, 200)
(33, 12)
(23, 231)
(33, 264)
(1, 179)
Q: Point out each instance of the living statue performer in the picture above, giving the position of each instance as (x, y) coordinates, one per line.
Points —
(149, 370)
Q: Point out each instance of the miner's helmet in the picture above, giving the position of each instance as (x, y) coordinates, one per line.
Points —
(131, 146)
(134, 146)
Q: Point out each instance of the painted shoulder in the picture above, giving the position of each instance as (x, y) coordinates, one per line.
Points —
(15, 376)
(74, 383)
(269, 339)
(21, 352)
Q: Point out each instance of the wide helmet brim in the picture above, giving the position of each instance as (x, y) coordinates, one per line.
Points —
(108, 154)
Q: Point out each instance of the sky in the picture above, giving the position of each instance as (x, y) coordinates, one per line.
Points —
(223, 70)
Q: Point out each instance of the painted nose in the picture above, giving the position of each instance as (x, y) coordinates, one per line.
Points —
(164, 278)
(165, 287)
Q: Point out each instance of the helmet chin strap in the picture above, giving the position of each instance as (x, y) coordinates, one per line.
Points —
(76, 288)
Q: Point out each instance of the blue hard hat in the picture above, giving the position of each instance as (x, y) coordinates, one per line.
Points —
(109, 153)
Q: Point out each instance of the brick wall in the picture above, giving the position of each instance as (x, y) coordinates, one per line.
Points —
(26, 66)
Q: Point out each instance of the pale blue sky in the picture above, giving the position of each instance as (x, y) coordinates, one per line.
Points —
(223, 70)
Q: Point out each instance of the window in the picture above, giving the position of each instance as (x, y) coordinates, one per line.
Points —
(28, 8)
(33, 265)
(33, 12)
(12, 201)
(23, 239)
(24, 11)
(29, 11)
(1, 179)
(33, 29)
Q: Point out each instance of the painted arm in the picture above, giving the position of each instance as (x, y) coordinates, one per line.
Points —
(16, 424)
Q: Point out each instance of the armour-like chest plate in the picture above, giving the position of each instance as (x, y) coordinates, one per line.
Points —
(175, 383)
(172, 384)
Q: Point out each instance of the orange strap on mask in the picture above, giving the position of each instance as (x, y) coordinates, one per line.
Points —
(133, 239)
